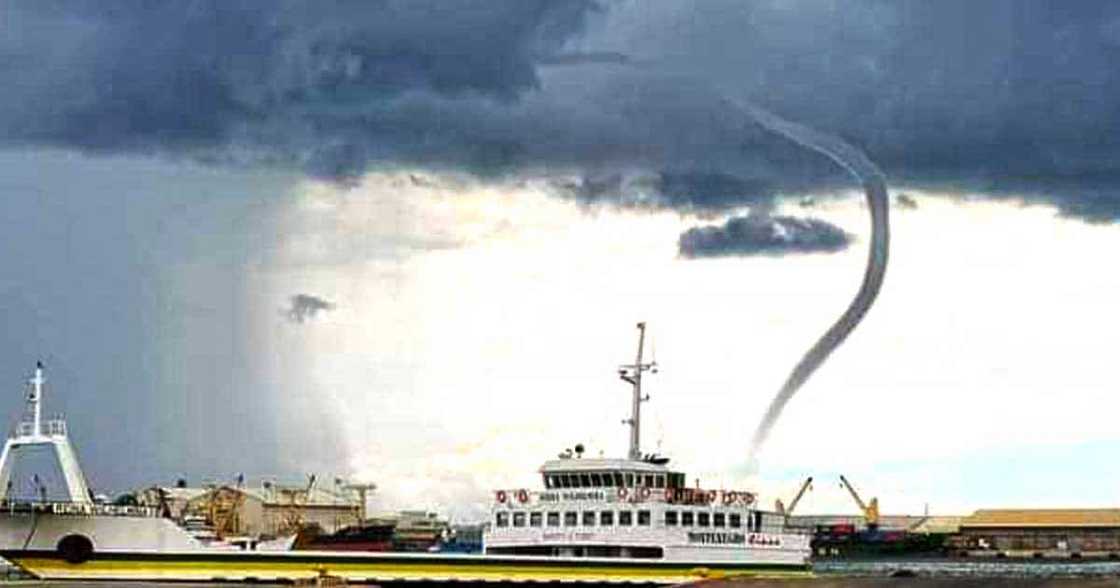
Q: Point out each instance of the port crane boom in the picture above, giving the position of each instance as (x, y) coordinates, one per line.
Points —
(788, 511)
(870, 511)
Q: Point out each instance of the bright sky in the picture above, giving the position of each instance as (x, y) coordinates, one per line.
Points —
(478, 329)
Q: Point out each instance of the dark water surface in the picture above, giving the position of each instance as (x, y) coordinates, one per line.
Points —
(828, 581)
(960, 568)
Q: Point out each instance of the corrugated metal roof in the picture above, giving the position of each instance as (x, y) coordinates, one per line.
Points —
(938, 524)
(1071, 517)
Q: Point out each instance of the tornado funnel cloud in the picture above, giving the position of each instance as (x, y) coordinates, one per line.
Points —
(875, 188)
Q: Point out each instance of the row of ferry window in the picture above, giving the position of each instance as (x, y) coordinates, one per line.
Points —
(612, 480)
(626, 518)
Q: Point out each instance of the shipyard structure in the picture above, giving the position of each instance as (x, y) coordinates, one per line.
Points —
(1071, 534)
(311, 516)
(986, 533)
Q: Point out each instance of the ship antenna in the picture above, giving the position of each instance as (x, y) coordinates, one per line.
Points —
(633, 375)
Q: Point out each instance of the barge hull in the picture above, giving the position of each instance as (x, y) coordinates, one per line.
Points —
(287, 566)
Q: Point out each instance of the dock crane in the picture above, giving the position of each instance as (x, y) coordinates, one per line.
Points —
(870, 510)
(788, 511)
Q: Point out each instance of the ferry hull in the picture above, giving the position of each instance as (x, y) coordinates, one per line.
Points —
(288, 566)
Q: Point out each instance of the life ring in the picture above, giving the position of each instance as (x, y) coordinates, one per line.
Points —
(712, 495)
(645, 493)
(730, 498)
(501, 496)
(748, 498)
(523, 495)
(670, 495)
(622, 493)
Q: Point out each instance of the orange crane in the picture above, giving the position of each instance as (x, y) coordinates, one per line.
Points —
(870, 510)
(788, 511)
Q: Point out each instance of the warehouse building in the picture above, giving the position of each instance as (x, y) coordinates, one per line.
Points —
(1040, 533)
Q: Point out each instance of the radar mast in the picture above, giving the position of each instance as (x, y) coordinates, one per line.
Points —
(632, 373)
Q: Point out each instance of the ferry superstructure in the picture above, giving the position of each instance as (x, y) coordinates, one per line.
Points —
(638, 508)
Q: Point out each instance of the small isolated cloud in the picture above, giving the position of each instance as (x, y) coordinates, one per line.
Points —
(759, 234)
(305, 307)
(906, 201)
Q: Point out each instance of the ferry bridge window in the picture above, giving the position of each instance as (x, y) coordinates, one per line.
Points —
(606, 518)
(596, 481)
(736, 520)
(630, 480)
(718, 519)
(519, 519)
(625, 518)
(649, 481)
(535, 519)
(659, 482)
(588, 518)
(570, 519)
(686, 519)
(608, 480)
(585, 481)
(554, 519)
(703, 519)
(502, 519)
(670, 518)
(566, 481)
(757, 520)
(643, 518)
(618, 479)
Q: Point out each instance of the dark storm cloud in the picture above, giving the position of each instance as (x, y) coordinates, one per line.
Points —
(1010, 98)
(712, 190)
(695, 191)
(304, 307)
(327, 85)
(585, 58)
(762, 235)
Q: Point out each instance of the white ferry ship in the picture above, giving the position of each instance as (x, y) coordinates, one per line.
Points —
(638, 508)
(596, 521)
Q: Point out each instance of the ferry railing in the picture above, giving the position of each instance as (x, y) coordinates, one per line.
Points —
(78, 508)
(53, 428)
(637, 494)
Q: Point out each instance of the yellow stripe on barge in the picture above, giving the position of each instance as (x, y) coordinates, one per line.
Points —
(379, 567)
